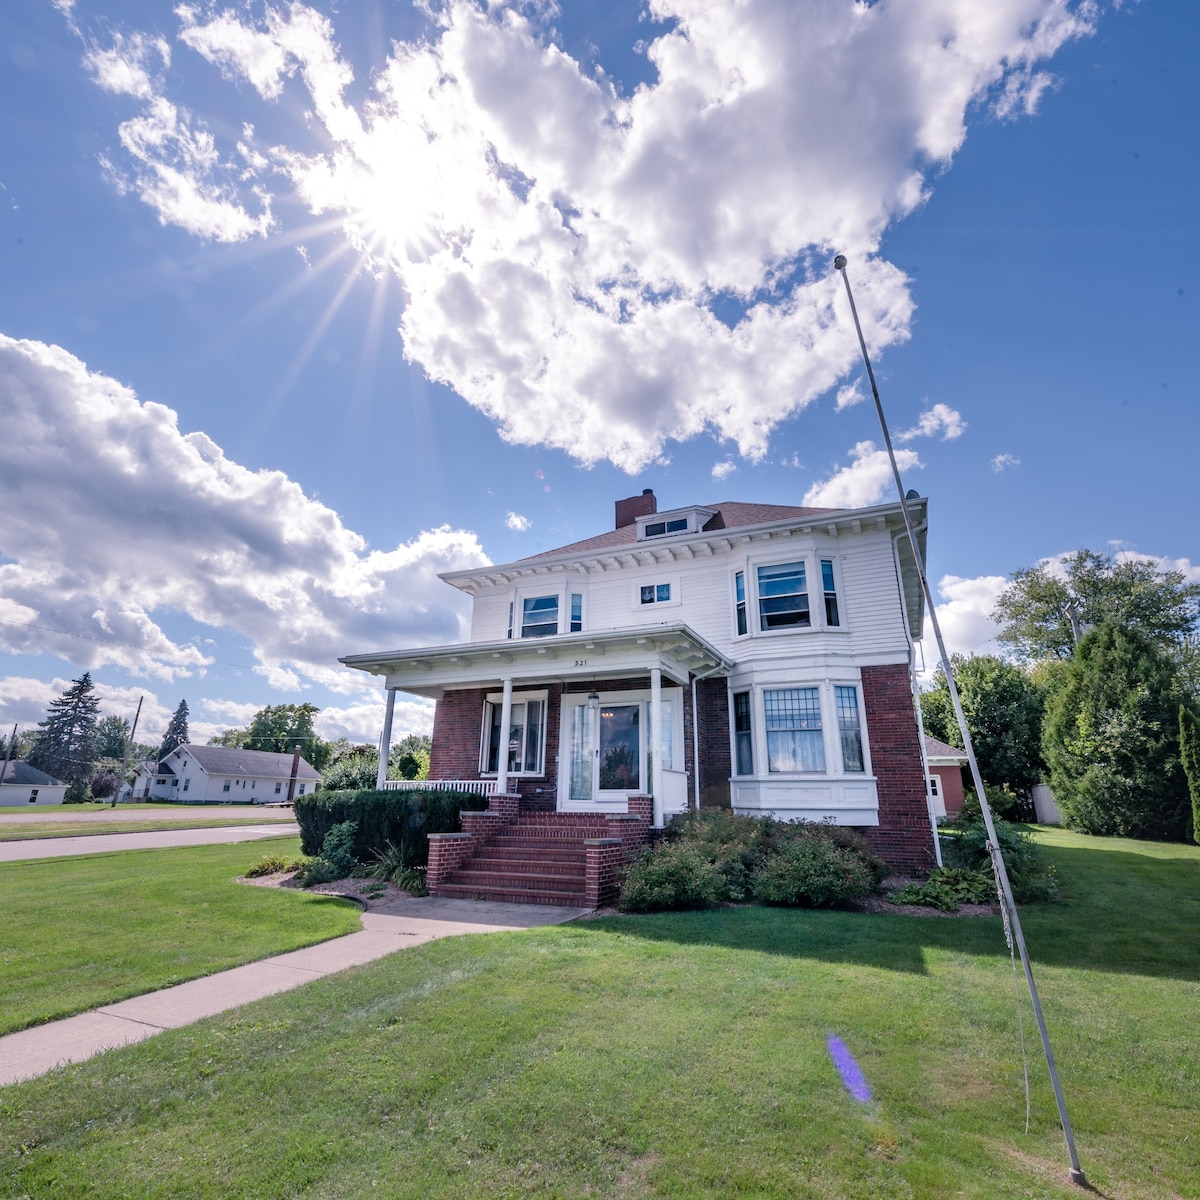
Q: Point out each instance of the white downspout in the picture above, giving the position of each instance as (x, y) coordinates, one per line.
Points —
(916, 691)
(695, 745)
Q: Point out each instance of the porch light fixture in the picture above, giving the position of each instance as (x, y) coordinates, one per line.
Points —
(593, 701)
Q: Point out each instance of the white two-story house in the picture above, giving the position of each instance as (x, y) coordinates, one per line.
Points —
(746, 655)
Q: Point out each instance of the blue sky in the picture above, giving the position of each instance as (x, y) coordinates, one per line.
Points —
(301, 305)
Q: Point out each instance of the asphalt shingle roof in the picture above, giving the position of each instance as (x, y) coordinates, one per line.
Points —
(264, 764)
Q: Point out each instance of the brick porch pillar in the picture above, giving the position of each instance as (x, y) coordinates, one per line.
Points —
(604, 862)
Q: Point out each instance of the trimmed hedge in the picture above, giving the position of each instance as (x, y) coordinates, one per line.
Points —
(404, 818)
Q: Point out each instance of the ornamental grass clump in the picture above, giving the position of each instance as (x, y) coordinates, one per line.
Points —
(715, 856)
(1032, 879)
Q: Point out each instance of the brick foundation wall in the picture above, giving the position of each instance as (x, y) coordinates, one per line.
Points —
(715, 764)
(903, 837)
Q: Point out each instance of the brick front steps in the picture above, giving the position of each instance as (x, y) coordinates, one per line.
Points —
(505, 854)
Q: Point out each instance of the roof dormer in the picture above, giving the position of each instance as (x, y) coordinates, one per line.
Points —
(653, 526)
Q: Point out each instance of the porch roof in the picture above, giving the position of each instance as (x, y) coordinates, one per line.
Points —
(433, 670)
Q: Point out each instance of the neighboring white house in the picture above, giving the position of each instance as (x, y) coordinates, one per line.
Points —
(25, 785)
(222, 775)
(747, 655)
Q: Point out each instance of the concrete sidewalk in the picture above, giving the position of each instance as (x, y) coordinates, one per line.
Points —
(385, 930)
(152, 839)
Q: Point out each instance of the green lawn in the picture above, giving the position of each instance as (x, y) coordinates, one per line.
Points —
(28, 830)
(88, 930)
(673, 1056)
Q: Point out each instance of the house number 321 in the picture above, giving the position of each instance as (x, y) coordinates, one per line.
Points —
(581, 662)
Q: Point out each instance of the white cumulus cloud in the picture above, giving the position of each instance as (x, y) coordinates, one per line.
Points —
(564, 247)
(722, 470)
(1004, 462)
(517, 523)
(965, 616)
(940, 419)
(161, 520)
(867, 480)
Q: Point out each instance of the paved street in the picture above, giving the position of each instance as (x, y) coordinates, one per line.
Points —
(106, 843)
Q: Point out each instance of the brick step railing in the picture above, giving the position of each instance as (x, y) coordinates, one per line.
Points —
(536, 857)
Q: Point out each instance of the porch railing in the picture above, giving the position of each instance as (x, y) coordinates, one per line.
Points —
(482, 787)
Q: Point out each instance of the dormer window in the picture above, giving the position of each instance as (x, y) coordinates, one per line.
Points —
(539, 616)
(682, 520)
(659, 528)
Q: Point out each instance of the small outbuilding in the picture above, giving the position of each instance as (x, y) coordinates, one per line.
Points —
(24, 785)
(945, 779)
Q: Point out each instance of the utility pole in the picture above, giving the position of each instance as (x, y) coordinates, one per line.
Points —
(295, 772)
(128, 751)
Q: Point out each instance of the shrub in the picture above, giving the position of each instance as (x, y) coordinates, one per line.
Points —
(948, 887)
(814, 871)
(338, 848)
(1031, 877)
(385, 863)
(317, 870)
(269, 864)
(401, 817)
(104, 784)
(77, 792)
(672, 875)
(411, 880)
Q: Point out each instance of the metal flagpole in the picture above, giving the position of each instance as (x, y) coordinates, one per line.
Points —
(1006, 896)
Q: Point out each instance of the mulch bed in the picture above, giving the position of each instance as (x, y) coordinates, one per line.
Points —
(374, 893)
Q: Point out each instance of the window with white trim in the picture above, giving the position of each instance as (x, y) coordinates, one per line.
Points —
(829, 586)
(225, 788)
(795, 741)
(744, 764)
(526, 736)
(739, 600)
(539, 616)
(655, 593)
(934, 784)
(576, 612)
(783, 596)
(659, 528)
(849, 728)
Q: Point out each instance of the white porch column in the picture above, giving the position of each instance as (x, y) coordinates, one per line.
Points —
(385, 743)
(656, 740)
(505, 734)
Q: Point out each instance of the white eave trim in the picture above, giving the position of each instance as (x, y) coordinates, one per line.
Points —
(680, 546)
(490, 660)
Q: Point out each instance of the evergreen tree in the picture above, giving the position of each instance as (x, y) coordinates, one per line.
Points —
(177, 732)
(1111, 737)
(1003, 707)
(1189, 753)
(65, 742)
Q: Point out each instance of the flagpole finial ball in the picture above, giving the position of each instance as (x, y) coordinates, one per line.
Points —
(839, 263)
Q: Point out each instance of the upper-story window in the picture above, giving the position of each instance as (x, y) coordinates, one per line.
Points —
(783, 596)
(739, 597)
(830, 589)
(539, 616)
(576, 612)
(655, 593)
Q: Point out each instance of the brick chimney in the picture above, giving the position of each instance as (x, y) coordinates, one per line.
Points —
(629, 510)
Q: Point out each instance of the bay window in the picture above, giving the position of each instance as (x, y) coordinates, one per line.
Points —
(849, 728)
(539, 616)
(795, 741)
(783, 596)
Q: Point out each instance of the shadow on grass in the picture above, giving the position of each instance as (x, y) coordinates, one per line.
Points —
(1118, 912)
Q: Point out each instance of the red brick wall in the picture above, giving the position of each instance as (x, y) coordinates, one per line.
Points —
(458, 728)
(715, 766)
(903, 837)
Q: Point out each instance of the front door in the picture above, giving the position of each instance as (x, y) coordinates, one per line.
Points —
(607, 752)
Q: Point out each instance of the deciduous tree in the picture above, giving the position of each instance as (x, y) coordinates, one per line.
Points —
(1003, 707)
(1037, 610)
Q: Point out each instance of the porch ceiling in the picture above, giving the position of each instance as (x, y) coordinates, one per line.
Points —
(433, 670)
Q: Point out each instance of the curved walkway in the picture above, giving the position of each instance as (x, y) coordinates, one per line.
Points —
(385, 930)
(154, 839)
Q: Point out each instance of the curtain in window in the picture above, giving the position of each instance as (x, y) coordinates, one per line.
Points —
(794, 739)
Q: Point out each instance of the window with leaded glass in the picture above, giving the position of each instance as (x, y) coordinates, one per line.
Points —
(793, 722)
(741, 733)
(850, 729)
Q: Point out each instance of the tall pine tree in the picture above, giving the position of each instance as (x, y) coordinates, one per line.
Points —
(65, 742)
(177, 732)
